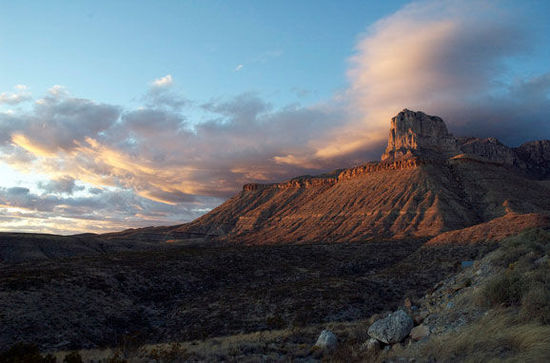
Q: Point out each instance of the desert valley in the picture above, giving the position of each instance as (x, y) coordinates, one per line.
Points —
(274, 181)
(260, 276)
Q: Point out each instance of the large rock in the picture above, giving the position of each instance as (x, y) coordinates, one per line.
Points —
(393, 328)
(417, 134)
(327, 340)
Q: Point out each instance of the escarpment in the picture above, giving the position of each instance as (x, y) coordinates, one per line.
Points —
(427, 182)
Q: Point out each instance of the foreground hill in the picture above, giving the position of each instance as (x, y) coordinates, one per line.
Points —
(428, 182)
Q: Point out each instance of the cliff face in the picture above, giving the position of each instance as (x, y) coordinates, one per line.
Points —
(428, 182)
(418, 134)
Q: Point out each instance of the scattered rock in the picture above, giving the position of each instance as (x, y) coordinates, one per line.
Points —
(420, 332)
(543, 259)
(327, 340)
(392, 329)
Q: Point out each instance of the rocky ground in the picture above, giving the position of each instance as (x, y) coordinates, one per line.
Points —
(495, 307)
(188, 293)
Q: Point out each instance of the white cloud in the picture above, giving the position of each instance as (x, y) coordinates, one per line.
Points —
(447, 58)
(163, 82)
(238, 68)
(20, 95)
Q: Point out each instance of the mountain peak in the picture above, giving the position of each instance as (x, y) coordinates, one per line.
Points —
(418, 134)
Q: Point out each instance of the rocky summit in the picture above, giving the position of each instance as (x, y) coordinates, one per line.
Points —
(428, 182)
(417, 134)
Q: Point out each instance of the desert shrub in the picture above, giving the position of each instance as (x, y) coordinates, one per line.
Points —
(275, 322)
(506, 289)
(173, 352)
(72, 357)
(25, 353)
(535, 304)
(534, 241)
(117, 358)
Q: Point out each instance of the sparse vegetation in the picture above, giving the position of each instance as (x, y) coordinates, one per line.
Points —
(526, 281)
(506, 289)
(297, 296)
(497, 337)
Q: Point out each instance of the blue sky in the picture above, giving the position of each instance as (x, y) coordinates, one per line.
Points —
(117, 114)
(110, 50)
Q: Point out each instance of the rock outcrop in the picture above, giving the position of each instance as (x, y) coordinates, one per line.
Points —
(392, 329)
(417, 134)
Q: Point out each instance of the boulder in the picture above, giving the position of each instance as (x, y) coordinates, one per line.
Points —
(327, 340)
(392, 329)
(419, 332)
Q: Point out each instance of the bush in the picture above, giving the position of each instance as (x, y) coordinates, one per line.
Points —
(25, 353)
(535, 305)
(73, 357)
(535, 241)
(506, 289)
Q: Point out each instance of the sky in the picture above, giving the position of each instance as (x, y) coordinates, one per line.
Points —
(123, 114)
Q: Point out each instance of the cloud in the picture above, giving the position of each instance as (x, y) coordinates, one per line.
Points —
(171, 159)
(64, 185)
(20, 95)
(238, 68)
(160, 95)
(163, 82)
(448, 58)
(58, 122)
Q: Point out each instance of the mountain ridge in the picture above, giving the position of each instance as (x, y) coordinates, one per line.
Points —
(427, 182)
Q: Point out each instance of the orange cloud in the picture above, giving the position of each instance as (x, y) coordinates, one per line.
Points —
(32, 147)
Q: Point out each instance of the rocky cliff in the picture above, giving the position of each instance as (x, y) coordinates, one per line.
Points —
(428, 182)
(417, 134)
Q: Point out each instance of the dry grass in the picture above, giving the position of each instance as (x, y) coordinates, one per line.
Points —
(496, 337)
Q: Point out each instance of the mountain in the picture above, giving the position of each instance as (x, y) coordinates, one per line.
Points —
(428, 182)
(428, 185)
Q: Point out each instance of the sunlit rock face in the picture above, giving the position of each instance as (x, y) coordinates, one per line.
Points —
(417, 134)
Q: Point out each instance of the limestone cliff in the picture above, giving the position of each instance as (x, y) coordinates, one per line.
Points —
(417, 134)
